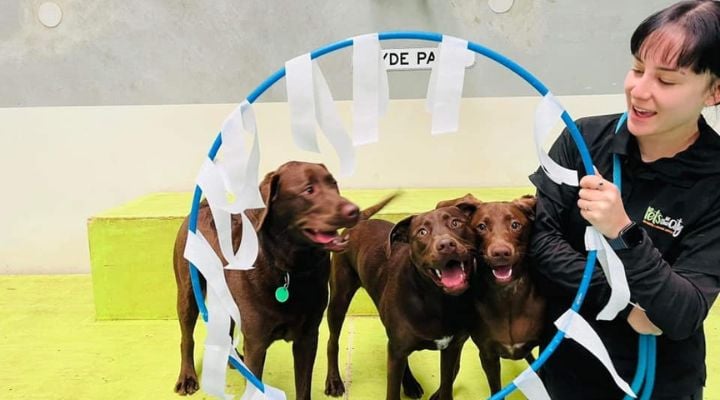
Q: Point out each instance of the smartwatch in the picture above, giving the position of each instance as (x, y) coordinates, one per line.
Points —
(630, 236)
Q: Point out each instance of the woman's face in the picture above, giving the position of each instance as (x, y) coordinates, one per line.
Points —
(663, 100)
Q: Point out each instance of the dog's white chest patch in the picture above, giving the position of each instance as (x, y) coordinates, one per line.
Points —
(443, 343)
(514, 347)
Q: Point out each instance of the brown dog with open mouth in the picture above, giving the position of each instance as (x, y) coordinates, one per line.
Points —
(415, 272)
(508, 311)
(296, 232)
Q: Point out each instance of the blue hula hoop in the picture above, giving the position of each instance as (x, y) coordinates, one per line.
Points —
(647, 345)
(432, 37)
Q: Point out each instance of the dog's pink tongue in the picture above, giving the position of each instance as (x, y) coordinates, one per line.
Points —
(324, 238)
(452, 276)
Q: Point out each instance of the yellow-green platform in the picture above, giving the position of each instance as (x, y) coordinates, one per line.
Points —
(52, 347)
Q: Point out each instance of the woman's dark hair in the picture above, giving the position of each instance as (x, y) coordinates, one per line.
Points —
(699, 21)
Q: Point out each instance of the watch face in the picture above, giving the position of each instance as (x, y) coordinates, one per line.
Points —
(632, 236)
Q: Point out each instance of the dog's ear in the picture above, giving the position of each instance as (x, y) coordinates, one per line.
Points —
(468, 198)
(268, 191)
(399, 233)
(467, 208)
(527, 204)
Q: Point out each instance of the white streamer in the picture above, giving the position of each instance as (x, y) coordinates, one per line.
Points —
(239, 169)
(547, 114)
(199, 252)
(211, 182)
(234, 160)
(271, 393)
(614, 271)
(331, 125)
(310, 101)
(221, 309)
(446, 84)
(236, 174)
(300, 95)
(575, 327)
(218, 347)
(531, 386)
(370, 88)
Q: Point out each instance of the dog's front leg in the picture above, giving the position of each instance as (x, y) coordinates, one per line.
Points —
(255, 351)
(490, 361)
(396, 364)
(449, 368)
(304, 351)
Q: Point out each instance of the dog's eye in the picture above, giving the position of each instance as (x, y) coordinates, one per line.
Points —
(422, 232)
(309, 189)
(455, 223)
(515, 225)
(481, 227)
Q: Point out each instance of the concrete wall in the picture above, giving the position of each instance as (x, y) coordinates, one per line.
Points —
(134, 52)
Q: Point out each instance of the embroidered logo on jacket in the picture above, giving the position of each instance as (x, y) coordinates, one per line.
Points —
(657, 220)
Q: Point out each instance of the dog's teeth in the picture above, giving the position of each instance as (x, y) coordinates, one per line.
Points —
(462, 266)
(437, 273)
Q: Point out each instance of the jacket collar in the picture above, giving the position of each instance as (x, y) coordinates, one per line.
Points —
(699, 160)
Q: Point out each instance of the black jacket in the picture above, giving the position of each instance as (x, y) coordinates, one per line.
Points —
(674, 273)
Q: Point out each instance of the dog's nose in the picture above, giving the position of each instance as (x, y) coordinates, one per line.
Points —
(350, 211)
(445, 245)
(500, 251)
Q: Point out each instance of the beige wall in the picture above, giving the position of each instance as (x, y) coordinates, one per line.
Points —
(61, 165)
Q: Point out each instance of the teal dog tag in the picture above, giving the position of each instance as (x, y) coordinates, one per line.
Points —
(282, 294)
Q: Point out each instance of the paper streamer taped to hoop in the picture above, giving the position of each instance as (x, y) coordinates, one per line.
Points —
(614, 271)
(311, 102)
(446, 83)
(547, 114)
(575, 327)
(530, 384)
(211, 182)
(370, 89)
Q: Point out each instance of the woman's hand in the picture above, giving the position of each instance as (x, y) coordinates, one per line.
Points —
(601, 205)
(640, 322)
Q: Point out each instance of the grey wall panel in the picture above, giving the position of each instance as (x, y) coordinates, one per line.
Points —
(177, 52)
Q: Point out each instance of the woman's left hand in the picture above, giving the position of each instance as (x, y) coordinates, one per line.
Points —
(601, 205)
(640, 322)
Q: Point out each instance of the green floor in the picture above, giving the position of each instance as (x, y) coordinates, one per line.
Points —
(51, 347)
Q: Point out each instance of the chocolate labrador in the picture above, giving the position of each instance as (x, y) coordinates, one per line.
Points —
(296, 232)
(508, 311)
(415, 272)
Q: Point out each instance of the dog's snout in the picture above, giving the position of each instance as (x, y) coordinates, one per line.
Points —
(500, 251)
(445, 245)
(350, 211)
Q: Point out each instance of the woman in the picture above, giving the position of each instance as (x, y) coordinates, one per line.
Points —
(665, 225)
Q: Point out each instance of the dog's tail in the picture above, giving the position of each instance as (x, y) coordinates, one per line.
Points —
(372, 210)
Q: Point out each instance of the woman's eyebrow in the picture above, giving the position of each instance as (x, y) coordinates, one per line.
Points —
(663, 68)
(671, 69)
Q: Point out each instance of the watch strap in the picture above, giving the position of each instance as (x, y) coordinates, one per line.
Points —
(628, 237)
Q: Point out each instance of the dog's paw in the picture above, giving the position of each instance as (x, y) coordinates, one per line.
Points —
(334, 387)
(413, 389)
(187, 384)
